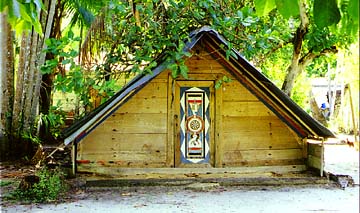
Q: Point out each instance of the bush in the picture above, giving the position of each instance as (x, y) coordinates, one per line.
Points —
(49, 187)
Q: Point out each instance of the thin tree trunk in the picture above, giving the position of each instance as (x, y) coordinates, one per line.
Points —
(47, 79)
(29, 82)
(3, 37)
(47, 23)
(6, 84)
(19, 91)
(295, 69)
(8, 101)
(28, 116)
(135, 13)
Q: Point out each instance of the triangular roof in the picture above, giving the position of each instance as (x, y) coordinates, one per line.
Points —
(286, 109)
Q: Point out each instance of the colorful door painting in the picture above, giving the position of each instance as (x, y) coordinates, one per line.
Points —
(194, 125)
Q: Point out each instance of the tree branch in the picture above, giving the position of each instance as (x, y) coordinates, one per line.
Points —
(274, 49)
(310, 56)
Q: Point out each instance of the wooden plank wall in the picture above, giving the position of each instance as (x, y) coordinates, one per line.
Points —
(247, 133)
(142, 132)
(252, 134)
(135, 135)
(315, 156)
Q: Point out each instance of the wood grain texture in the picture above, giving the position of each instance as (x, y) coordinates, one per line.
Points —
(250, 108)
(135, 123)
(103, 141)
(145, 132)
(157, 88)
(263, 157)
(235, 91)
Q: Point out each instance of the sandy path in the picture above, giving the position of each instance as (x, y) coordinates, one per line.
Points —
(157, 199)
(342, 160)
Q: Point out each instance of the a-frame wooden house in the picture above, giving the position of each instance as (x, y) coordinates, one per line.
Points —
(159, 122)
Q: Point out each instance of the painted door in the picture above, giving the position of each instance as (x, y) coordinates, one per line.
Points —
(193, 144)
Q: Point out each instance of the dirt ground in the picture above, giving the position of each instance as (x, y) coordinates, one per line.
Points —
(339, 159)
(234, 199)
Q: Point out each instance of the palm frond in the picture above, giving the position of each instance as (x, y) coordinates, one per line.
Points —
(83, 12)
(94, 38)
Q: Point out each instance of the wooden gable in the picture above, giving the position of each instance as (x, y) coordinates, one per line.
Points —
(247, 122)
(143, 131)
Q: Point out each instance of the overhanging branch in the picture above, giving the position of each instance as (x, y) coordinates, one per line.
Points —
(310, 56)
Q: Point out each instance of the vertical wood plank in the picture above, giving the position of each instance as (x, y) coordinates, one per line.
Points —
(212, 124)
(304, 148)
(218, 136)
(171, 122)
(176, 126)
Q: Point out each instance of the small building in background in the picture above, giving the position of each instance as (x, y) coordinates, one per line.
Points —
(332, 101)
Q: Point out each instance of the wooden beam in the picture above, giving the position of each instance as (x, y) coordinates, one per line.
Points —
(170, 145)
(322, 162)
(113, 171)
(73, 158)
(218, 128)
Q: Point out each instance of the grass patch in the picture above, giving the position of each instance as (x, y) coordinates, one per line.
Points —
(48, 188)
(5, 183)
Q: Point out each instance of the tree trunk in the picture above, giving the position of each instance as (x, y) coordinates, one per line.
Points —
(3, 47)
(47, 23)
(295, 68)
(47, 79)
(25, 102)
(33, 69)
(17, 119)
(29, 85)
(6, 84)
(135, 13)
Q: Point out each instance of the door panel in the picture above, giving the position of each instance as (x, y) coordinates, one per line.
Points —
(193, 144)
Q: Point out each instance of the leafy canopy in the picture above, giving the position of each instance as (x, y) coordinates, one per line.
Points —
(326, 13)
(23, 15)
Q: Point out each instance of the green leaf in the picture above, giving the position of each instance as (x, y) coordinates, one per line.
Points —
(174, 69)
(139, 8)
(353, 10)
(326, 13)
(2, 6)
(153, 64)
(66, 61)
(14, 8)
(187, 54)
(24, 12)
(248, 21)
(218, 84)
(37, 27)
(184, 70)
(70, 34)
(39, 4)
(288, 8)
(226, 79)
(22, 26)
(22, 15)
(73, 53)
(263, 7)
